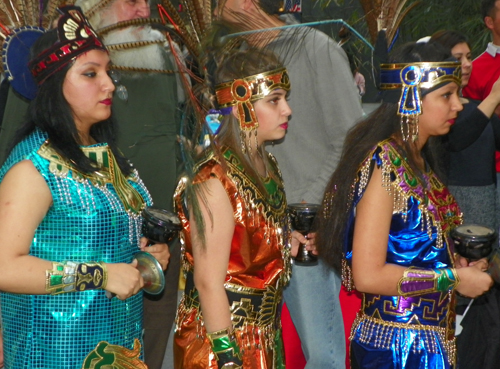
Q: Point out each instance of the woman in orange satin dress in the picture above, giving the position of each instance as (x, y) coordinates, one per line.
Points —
(237, 242)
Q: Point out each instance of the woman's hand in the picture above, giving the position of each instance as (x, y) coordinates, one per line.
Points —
(460, 261)
(473, 279)
(311, 243)
(124, 280)
(481, 264)
(491, 103)
(309, 240)
(159, 250)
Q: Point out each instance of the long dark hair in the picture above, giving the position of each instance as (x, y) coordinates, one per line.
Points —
(382, 124)
(50, 112)
(449, 38)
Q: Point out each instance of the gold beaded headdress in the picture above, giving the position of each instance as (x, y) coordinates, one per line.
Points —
(243, 92)
(415, 80)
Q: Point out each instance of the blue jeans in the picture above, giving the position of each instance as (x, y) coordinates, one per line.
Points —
(312, 297)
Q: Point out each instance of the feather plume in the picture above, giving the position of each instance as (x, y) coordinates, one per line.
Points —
(172, 12)
(180, 28)
(51, 11)
(6, 17)
(400, 14)
(207, 6)
(385, 14)
(31, 11)
(19, 13)
(25, 11)
(193, 19)
(200, 14)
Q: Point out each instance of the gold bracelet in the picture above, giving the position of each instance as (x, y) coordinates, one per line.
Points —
(71, 277)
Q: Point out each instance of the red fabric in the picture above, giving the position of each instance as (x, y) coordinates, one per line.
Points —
(350, 303)
(293, 351)
(485, 72)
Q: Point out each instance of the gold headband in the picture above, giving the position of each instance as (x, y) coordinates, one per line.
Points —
(242, 92)
(410, 78)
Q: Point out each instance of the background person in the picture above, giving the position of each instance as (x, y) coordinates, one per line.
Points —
(486, 69)
(70, 220)
(471, 178)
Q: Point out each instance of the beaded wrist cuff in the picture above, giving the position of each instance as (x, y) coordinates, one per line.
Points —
(419, 281)
(225, 348)
(70, 277)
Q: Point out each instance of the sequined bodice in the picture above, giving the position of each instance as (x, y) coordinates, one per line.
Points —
(424, 212)
(92, 218)
(260, 253)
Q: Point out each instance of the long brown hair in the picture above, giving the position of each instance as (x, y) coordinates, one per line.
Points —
(233, 65)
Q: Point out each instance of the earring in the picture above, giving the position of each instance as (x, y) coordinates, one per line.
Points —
(415, 129)
(121, 90)
(243, 142)
(404, 125)
(248, 142)
(409, 127)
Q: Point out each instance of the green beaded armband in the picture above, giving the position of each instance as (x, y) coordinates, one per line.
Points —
(71, 277)
(226, 349)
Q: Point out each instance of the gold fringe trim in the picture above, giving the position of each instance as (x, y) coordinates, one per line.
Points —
(143, 70)
(132, 45)
(381, 334)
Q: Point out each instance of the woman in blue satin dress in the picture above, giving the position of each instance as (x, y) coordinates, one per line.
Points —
(395, 228)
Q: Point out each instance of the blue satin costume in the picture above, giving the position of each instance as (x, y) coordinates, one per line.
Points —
(92, 218)
(416, 331)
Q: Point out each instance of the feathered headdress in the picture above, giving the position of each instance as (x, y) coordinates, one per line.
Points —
(208, 46)
(21, 23)
(385, 15)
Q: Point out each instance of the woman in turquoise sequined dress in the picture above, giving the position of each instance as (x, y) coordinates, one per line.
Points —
(395, 227)
(70, 217)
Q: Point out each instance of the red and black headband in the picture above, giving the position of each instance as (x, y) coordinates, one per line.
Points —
(76, 37)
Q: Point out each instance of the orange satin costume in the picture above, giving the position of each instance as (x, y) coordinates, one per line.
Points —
(259, 268)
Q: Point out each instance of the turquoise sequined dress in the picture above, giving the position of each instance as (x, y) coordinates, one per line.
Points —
(92, 218)
(416, 331)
